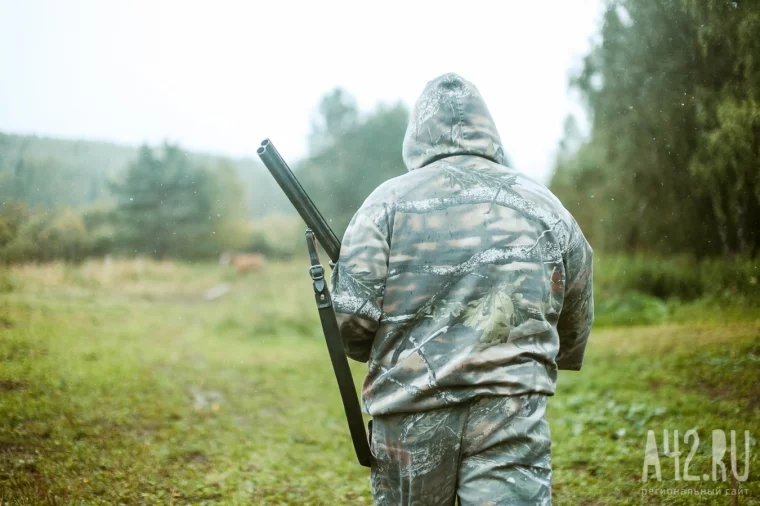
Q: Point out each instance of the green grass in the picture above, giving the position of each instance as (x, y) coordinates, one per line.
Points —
(123, 385)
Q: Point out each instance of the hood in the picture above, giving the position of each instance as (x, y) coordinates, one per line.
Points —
(450, 118)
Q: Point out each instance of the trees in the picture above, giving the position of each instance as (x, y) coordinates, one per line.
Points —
(167, 206)
(36, 235)
(673, 156)
(53, 173)
(727, 158)
(354, 156)
(336, 115)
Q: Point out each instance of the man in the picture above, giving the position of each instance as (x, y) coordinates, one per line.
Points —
(465, 285)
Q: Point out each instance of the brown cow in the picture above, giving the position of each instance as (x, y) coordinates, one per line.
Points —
(243, 262)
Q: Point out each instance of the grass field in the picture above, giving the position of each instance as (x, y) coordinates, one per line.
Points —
(121, 384)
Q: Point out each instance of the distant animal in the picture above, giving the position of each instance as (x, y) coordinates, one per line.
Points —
(243, 262)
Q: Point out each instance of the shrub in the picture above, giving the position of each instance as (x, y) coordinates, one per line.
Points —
(680, 277)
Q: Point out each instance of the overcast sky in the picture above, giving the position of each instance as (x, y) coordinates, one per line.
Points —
(220, 76)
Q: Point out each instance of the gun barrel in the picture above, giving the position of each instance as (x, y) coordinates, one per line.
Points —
(299, 198)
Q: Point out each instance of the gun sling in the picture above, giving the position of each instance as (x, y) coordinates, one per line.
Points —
(337, 354)
(320, 230)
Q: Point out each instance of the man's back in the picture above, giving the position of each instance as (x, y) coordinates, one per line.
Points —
(463, 277)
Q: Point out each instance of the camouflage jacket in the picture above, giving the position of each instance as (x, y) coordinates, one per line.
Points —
(462, 277)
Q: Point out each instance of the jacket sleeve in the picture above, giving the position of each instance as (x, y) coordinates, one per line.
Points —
(358, 279)
(577, 314)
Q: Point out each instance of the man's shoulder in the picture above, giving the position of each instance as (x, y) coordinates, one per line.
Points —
(540, 194)
(396, 188)
(454, 175)
(520, 184)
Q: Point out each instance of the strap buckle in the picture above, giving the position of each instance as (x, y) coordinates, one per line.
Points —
(317, 272)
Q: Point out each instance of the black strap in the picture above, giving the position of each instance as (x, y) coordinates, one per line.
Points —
(337, 354)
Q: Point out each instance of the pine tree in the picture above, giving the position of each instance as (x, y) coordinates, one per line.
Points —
(164, 206)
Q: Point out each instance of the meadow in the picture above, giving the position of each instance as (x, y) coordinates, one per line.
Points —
(120, 383)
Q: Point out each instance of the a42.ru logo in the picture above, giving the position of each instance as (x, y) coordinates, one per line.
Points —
(722, 454)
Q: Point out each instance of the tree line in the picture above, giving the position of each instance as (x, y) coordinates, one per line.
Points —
(672, 160)
(167, 202)
(164, 205)
(669, 165)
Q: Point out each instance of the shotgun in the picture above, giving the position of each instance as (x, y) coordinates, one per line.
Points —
(319, 230)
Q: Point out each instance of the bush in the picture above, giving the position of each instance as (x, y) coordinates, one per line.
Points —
(44, 236)
(679, 278)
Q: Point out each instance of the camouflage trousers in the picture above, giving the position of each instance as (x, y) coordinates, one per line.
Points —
(491, 451)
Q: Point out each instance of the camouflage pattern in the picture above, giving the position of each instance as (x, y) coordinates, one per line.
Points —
(492, 451)
(450, 118)
(461, 278)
